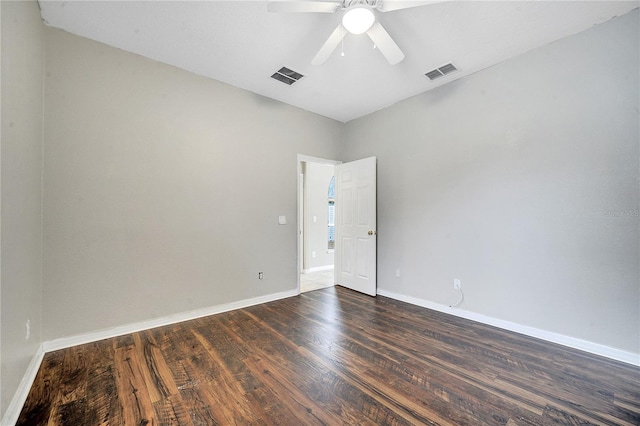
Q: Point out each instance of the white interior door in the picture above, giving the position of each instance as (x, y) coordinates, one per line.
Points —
(355, 251)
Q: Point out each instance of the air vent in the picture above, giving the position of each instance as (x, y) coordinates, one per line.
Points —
(443, 70)
(287, 76)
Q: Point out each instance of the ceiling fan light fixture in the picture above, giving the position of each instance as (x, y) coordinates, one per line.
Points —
(358, 19)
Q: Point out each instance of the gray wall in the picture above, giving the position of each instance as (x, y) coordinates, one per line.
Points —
(21, 211)
(316, 181)
(162, 188)
(522, 181)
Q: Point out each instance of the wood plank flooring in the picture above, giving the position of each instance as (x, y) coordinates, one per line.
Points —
(330, 357)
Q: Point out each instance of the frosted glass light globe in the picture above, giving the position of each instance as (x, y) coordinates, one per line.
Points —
(358, 19)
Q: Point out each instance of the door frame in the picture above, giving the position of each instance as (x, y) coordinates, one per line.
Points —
(301, 158)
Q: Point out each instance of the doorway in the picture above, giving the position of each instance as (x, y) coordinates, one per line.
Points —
(349, 224)
(316, 223)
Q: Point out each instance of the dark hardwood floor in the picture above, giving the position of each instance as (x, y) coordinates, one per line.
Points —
(331, 357)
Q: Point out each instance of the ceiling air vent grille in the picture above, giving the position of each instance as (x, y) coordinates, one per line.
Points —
(442, 71)
(287, 76)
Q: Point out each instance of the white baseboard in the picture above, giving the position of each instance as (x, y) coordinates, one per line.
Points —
(572, 342)
(67, 342)
(15, 406)
(17, 402)
(318, 269)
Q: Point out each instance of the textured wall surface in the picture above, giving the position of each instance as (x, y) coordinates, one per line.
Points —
(522, 181)
(21, 211)
(162, 188)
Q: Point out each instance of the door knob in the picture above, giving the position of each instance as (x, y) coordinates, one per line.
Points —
(371, 232)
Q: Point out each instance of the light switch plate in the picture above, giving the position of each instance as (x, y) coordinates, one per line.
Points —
(282, 220)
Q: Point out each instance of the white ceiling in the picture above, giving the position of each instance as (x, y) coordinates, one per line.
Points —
(240, 43)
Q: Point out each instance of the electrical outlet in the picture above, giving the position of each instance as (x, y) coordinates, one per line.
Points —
(313, 254)
(27, 327)
(457, 285)
(398, 273)
(260, 275)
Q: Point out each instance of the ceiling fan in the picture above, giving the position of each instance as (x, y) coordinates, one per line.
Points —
(359, 17)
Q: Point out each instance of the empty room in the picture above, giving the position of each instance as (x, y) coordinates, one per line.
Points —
(307, 212)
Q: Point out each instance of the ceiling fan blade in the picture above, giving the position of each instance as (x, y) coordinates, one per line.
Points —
(303, 6)
(329, 46)
(385, 43)
(391, 5)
